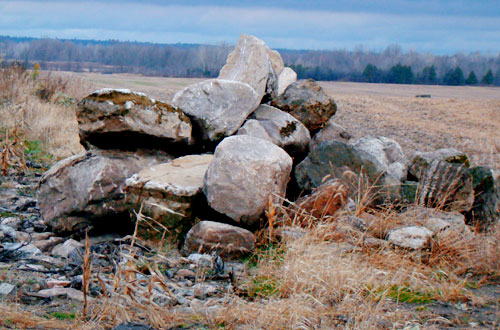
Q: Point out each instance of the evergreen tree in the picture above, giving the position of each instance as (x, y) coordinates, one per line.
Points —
(471, 79)
(371, 73)
(488, 78)
(454, 77)
(428, 75)
(400, 74)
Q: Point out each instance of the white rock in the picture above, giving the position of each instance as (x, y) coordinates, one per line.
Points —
(413, 237)
(217, 106)
(243, 175)
(6, 289)
(63, 250)
(285, 78)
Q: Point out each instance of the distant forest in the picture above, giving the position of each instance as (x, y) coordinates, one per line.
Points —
(391, 65)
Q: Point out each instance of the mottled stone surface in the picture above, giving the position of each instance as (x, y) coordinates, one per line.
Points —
(306, 101)
(119, 118)
(243, 175)
(217, 107)
(485, 211)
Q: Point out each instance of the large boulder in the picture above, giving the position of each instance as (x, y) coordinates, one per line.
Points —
(306, 101)
(421, 160)
(279, 127)
(169, 193)
(252, 62)
(333, 158)
(228, 241)
(243, 175)
(285, 78)
(123, 119)
(332, 131)
(87, 189)
(447, 186)
(217, 107)
(486, 208)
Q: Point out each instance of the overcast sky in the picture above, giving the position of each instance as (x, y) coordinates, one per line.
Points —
(438, 26)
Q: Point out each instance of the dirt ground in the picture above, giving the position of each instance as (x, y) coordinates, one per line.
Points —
(465, 118)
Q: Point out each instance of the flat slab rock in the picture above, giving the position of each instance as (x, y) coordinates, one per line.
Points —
(217, 107)
(413, 237)
(116, 118)
(229, 241)
(182, 176)
(169, 192)
(243, 175)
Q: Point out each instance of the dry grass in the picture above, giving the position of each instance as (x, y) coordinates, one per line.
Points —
(41, 109)
(328, 279)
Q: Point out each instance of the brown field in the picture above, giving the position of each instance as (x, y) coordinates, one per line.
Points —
(465, 118)
(329, 277)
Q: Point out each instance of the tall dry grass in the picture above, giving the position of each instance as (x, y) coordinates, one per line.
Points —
(41, 108)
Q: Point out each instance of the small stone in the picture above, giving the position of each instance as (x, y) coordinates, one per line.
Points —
(57, 291)
(63, 250)
(413, 237)
(58, 283)
(203, 290)
(23, 237)
(229, 241)
(46, 245)
(6, 289)
(12, 222)
(201, 260)
(185, 273)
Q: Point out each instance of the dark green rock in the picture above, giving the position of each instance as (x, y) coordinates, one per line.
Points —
(485, 210)
(409, 191)
(334, 158)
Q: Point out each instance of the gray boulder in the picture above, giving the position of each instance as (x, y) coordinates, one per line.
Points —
(388, 153)
(228, 241)
(279, 127)
(421, 160)
(306, 101)
(86, 189)
(447, 186)
(243, 175)
(120, 118)
(168, 193)
(252, 62)
(285, 78)
(333, 158)
(217, 107)
(332, 131)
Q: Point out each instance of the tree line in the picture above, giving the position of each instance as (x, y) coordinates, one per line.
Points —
(391, 65)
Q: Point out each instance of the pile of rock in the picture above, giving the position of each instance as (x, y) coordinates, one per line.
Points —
(268, 134)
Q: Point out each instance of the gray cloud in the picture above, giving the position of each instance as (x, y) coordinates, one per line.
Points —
(290, 26)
